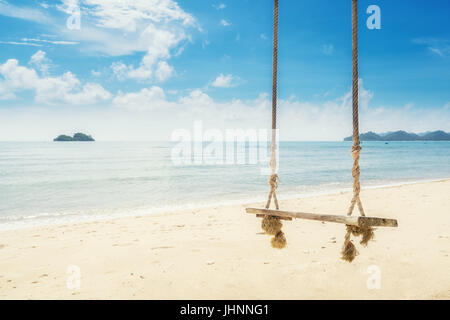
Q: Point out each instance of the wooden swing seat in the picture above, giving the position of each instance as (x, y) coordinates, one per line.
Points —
(348, 220)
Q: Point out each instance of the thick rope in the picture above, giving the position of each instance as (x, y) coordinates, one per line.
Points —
(275, 66)
(355, 72)
(349, 251)
(273, 180)
(270, 224)
(356, 149)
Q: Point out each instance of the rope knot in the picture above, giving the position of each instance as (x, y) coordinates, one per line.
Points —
(274, 180)
(356, 149)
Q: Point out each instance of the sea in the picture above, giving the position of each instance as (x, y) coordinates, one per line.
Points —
(44, 183)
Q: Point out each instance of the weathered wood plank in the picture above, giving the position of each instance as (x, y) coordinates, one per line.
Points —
(349, 220)
(377, 222)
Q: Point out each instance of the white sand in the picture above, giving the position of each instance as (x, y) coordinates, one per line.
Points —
(219, 252)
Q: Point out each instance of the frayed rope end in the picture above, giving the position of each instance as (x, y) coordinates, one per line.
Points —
(367, 233)
(279, 241)
(271, 225)
(349, 251)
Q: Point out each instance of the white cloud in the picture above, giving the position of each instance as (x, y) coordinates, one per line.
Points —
(225, 23)
(40, 61)
(263, 36)
(219, 6)
(437, 51)
(61, 42)
(5, 93)
(120, 70)
(155, 27)
(440, 47)
(224, 81)
(128, 15)
(65, 89)
(150, 114)
(9, 10)
(21, 43)
(163, 71)
(160, 42)
(298, 120)
(146, 99)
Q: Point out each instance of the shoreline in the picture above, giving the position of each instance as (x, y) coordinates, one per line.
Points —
(146, 211)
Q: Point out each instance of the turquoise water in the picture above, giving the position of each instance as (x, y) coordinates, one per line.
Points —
(48, 182)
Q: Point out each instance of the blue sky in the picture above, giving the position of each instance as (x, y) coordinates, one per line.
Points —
(152, 66)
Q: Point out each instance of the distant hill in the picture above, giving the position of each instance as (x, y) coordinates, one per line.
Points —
(369, 136)
(76, 137)
(436, 136)
(403, 136)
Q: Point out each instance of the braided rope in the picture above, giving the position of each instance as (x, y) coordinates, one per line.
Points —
(356, 148)
(273, 180)
(270, 224)
(349, 251)
(275, 66)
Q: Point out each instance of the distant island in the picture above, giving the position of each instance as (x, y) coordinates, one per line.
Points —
(76, 137)
(403, 136)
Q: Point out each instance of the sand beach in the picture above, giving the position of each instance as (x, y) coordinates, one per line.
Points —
(221, 253)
